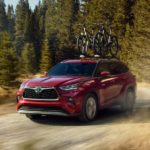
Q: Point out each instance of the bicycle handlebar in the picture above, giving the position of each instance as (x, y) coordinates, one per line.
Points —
(93, 24)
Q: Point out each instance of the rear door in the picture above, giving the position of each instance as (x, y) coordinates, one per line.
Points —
(118, 72)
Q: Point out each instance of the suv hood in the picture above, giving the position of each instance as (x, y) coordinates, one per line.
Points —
(54, 81)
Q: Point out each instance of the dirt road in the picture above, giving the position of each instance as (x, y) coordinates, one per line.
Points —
(112, 130)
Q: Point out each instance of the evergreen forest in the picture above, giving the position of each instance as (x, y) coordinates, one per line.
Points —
(32, 41)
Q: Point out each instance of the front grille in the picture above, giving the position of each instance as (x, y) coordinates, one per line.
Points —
(43, 94)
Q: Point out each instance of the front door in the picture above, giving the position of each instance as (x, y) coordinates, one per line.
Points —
(106, 85)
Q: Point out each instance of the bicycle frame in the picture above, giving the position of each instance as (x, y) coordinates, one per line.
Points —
(88, 39)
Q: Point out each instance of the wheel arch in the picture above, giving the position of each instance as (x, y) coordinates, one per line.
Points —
(131, 88)
(93, 92)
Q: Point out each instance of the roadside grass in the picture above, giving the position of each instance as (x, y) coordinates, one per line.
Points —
(8, 93)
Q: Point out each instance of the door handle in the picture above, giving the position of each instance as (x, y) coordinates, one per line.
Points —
(103, 84)
(113, 81)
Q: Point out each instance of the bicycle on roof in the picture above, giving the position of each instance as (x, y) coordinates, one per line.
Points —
(105, 42)
(85, 41)
(102, 43)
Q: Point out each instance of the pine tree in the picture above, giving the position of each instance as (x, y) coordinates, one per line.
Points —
(28, 59)
(46, 59)
(120, 19)
(22, 12)
(130, 18)
(38, 28)
(41, 10)
(52, 28)
(141, 39)
(28, 28)
(11, 21)
(8, 60)
(3, 17)
(142, 17)
(38, 20)
(60, 18)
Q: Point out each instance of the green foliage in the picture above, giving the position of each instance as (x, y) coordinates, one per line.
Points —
(22, 14)
(60, 18)
(46, 59)
(3, 18)
(11, 21)
(141, 39)
(8, 60)
(28, 59)
(46, 35)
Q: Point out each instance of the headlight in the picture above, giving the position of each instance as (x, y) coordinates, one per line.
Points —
(69, 87)
(22, 86)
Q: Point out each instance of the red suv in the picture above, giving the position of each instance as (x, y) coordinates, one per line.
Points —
(78, 88)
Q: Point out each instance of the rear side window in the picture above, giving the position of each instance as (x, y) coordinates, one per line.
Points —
(116, 68)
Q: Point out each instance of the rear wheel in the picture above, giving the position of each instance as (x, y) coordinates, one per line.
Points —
(127, 105)
(89, 109)
(113, 46)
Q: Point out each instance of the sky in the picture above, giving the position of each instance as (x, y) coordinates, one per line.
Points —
(15, 2)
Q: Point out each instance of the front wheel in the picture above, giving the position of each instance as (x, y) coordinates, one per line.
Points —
(82, 44)
(89, 108)
(99, 44)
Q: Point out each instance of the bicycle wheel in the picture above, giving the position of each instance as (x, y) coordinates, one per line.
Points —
(114, 46)
(99, 44)
(82, 44)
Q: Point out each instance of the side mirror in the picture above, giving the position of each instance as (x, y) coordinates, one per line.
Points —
(45, 74)
(104, 73)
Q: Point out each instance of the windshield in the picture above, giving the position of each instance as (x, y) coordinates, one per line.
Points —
(72, 69)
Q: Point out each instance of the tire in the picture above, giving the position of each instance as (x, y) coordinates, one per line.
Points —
(127, 105)
(82, 44)
(114, 46)
(100, 43)
(89, 108)
(33, 117)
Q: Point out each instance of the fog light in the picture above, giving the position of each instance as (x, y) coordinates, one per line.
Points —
(70, 99)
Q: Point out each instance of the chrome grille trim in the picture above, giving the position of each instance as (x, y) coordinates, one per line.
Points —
(42, 88)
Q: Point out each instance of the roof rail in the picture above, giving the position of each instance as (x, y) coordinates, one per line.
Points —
(98, 57)
(95, 57)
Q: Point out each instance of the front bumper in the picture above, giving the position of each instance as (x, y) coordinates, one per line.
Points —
(55, 113)
(61, 107)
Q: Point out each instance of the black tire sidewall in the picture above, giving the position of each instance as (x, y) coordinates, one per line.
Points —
(125, 103)
(99, 46)
(114, 39)
(83, 116)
